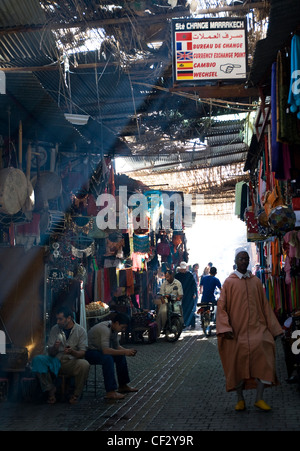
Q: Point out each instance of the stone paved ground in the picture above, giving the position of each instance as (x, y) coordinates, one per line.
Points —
(182, 388)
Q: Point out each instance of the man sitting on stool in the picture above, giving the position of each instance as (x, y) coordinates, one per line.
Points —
(104, 349)
(66, 350)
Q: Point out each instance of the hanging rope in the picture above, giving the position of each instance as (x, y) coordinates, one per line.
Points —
(133, 101)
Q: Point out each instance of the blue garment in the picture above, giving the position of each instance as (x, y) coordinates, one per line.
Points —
(96, 357)
(277, 155)
(209, 283)
(44, 363)
(189, 302)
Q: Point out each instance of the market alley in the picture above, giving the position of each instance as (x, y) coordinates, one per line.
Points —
(181, 388)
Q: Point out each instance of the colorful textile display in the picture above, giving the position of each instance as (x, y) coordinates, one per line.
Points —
(287, 131)
(141, 243)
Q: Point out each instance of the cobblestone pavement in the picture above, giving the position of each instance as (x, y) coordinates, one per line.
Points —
(181, 388)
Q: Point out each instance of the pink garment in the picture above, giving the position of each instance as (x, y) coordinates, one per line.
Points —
(294, 243)
(291, 241)
(136, 261)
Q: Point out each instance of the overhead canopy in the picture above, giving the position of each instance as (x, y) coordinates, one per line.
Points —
(124, 82)
(283, 22)
(121, 85)
(211, 172)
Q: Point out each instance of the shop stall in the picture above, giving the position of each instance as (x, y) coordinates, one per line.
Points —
(270, 202)
(74, 261)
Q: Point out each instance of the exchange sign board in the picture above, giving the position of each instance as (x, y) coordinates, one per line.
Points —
(206, 50)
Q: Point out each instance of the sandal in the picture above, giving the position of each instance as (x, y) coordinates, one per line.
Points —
(74, 399)
(114, 396)
(51, 399)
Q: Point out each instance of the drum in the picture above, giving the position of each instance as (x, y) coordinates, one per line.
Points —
(13, 190)
(52, 222)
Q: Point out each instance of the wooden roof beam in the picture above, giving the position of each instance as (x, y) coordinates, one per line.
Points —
(99, 23)
(218, 91)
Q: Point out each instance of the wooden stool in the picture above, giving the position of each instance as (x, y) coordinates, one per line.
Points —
(95, 378)
(63, 378)
(28, 388)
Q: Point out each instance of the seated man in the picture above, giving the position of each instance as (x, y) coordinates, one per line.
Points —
(170, 287)
(104, 349)
(66, 351)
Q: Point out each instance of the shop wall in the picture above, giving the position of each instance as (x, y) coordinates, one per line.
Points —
(21, 296)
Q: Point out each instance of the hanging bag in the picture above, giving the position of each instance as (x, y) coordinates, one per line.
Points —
(273, 199)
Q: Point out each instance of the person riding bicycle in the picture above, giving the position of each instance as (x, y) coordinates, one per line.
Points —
(208, 285)
(170, 287)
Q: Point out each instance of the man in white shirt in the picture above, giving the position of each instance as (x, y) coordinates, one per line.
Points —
(170, 287)
(67, 344)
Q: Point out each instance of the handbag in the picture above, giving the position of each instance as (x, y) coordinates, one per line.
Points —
(273, 199)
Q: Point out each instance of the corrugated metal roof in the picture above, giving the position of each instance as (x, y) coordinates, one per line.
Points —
(20, 48)
(189, 160)
(20, 12)
(27, 101)
(107, 91)
(218, 182)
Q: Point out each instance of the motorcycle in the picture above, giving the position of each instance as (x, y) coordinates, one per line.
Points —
(174, 324)
(206, 311)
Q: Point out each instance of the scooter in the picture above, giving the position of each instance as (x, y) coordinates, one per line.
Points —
(174, 323)
(206, 317)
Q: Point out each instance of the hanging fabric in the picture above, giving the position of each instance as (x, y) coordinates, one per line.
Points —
(287, 130)
(277, 160)
(294, 95)
(141, 243)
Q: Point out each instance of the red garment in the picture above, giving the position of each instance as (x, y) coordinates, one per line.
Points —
(129, 281)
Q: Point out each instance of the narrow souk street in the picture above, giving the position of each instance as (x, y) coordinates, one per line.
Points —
(149, 160)
(181, 388)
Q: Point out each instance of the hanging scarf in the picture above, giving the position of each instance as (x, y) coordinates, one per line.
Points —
(294, 96)
(277, 162)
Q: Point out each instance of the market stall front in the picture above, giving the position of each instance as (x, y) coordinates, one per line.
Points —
(270, 202)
